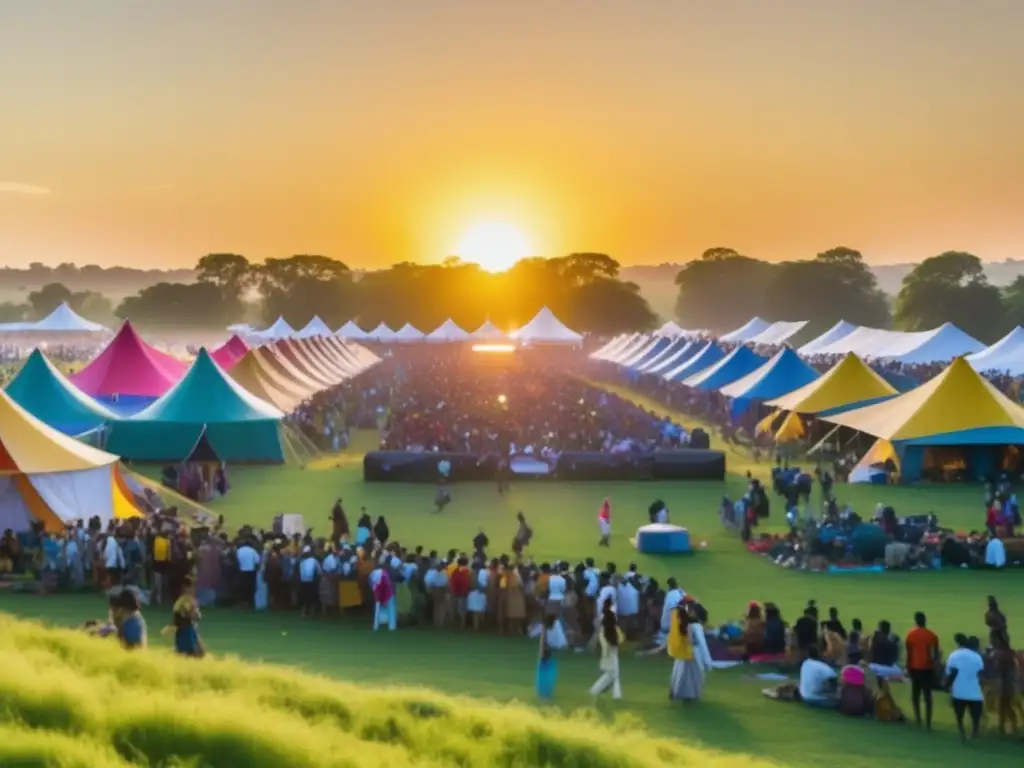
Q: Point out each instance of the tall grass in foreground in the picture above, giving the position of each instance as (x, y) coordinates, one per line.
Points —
(73, 701)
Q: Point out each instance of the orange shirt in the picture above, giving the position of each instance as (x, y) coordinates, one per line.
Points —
(922, 645)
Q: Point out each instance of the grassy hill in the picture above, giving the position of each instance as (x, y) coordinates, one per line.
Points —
(72, 700)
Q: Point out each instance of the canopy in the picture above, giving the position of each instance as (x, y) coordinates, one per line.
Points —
(258, 377)
(704, 358)
(238, 425)
(230, 352)
(941, 344)
(65, 320)
(381, 333)
(298, 381)
(44, 392)
(48, 477)
(783, 373)
(675, 357)
(957, 407)
(613, 346)
(653, 344)
(328, 358)
(675, 345)
(733, 366)
(669, 329)
(545, 328)
(315, 327)
(1005, 356)
(750, 330)
(448, 331)
(835, 333)
(409, 332)
(872, 463)
(849, 383)
(625, 352)
(489, 332)
(299, 357)
(279, 330)
(129, 366)
(351, 331)
(776, 333)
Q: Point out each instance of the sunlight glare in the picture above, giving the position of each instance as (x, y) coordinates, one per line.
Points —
(493, 245)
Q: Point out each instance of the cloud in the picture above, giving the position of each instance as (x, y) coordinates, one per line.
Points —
(14, 188)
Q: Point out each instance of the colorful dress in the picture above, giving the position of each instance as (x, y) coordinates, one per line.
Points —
(186, 631)
(547, 669)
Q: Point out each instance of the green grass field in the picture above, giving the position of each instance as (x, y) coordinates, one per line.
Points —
(733, 717)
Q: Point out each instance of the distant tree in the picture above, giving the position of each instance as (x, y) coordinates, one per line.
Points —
(177, 305)
(48, 298)
(606, 306)
(299, 287)
(722, 290)
(231, 272)
(11, 312)
(1013, 302)
(951, 287)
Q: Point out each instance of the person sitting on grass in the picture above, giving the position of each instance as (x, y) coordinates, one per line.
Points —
(817, 682)
(884, 652)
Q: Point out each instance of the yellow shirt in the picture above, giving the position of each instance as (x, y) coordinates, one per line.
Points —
(161, 549)
(678, 645)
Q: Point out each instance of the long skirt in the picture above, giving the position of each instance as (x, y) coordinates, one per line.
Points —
(547, 676)
(687, 683)
(186, 641)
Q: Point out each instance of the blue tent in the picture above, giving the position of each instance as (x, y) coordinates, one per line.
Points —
(735, 365)
(779, 376)
(674, 357)
(651, 352)
(675, 345)
(710, 354)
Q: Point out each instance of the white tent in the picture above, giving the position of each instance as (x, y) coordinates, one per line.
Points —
(489, 332)
(747, 332)
(840, 330)
(545, 328)
(613, 346)
(381, 333)
(449, 330)
(279, 330)
(670, 329)
(65, 320)
(1005, 356)
(351, 331)
(641, 353)
(670, 360)
(623, 353)
(315, 327)
(941, 344)
(241, 329)
(776, 333)
(409, 332)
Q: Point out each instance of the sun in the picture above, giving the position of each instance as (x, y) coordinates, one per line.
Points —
(493, 245)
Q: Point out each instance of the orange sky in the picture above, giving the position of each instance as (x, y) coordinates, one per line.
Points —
(147, 134)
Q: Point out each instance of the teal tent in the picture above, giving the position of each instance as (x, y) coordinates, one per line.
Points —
(205, 405)
(44, 392)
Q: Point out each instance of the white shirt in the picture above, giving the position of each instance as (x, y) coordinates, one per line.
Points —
(607, 593)
(968, 665)
(995, 553)
(628, 599)
(113, 557)
(330, 564)
(70, 550)
(556, 587)
(408, 571)
(593, 579)
(483, 579)
(308, 569)
(814, 678)
(672, 600)
(248, 559)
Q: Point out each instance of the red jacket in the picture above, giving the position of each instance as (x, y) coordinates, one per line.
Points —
(459, 582)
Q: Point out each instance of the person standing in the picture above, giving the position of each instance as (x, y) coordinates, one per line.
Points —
(922, 659)
(248, 562)
(964, 670)
(309, 571)
(610, 638)
(385, 605)
(688, 647)
(547, 666)
(604, 522)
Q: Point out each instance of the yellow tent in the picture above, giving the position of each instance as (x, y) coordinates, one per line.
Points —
(47, 476)
(791, 430)
(848, 382)
(957, 407)
(275, 361)
(767, 424)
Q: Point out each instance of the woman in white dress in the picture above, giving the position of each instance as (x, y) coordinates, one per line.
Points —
(688, 647)
(609, 638)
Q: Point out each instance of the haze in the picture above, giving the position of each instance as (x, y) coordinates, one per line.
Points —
(148, 134)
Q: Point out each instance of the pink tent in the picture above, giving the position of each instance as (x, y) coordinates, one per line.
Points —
(129, 366)
(229, 353)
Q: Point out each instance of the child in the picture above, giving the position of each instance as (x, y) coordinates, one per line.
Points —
(547, 666)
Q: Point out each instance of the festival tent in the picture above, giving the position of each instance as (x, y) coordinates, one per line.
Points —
(297, 356)
(241, 329)
(409, 332)
(329, 358)
(64, 320)
(675, 357)
(353, 356)
(735, 365)
(670, 329)
(279, 330)
(230, 352)
(616, 343)
(315, 327)
(652, 352)
(838, 331)
(872, 466)
(1005, 356)
(298, 382)
(51, 478)
(750, 330)
(45, 393)
(783, 373)
(448, 331)
(545, 328)
(776, 333)
(258, 377)
(320, 362)
(651, 344)
(489, 332)
(351, 331)
(128, 373)
(381, 333)
(627, 351)
(205, 405)
(850, 383)
(674, 345)
(956, 416)
(940, 344)
(704, 358)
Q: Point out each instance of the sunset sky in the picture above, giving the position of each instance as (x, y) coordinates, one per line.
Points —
(150, 133)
